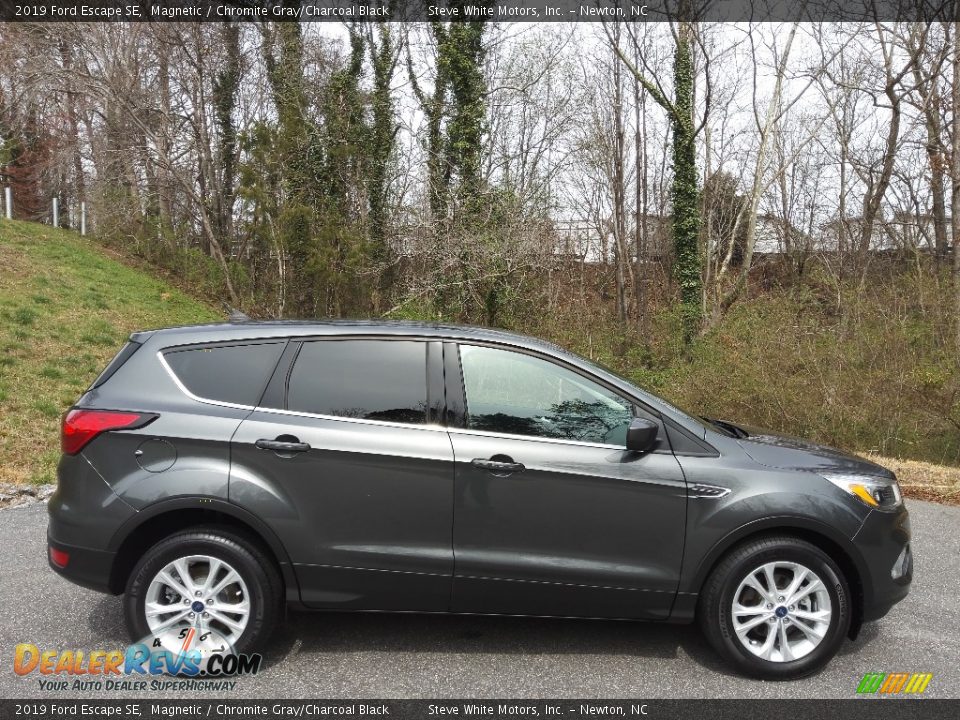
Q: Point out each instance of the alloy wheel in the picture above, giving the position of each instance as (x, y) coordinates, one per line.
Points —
(781, 611)
(200, 592)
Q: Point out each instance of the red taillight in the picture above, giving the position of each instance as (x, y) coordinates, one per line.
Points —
(81, 426)
(59, 557)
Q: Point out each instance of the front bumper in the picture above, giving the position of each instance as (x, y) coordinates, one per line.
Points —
(884, 545)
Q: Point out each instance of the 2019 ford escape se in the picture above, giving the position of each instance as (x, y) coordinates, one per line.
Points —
(217, 474)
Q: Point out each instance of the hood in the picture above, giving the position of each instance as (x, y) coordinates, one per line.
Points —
(791, 453)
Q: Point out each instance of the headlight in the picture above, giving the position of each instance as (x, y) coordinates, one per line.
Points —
(878, 493)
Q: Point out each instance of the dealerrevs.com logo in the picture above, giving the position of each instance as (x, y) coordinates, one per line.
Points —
(138, 667)
(894, 683)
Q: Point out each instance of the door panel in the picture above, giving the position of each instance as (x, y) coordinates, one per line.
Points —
(586, 528)
(365, 514)
(583, 530)
(352, 474)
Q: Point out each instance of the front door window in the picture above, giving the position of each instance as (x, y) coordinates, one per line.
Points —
(509, 392)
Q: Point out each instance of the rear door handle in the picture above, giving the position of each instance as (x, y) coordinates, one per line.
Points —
(285, 446)
(498, 467)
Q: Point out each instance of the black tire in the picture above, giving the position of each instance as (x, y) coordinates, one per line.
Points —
(715, 611)
(258, 571)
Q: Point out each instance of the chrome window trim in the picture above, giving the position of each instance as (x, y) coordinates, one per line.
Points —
(280, 411)
(535, 438)
(364, 421)
(384, 423)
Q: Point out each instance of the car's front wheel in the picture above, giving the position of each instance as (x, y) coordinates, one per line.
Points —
(206, 589)
(776, 607)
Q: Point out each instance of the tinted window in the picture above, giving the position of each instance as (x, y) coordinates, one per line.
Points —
(510, 392)
(234, 374)
(369, 379)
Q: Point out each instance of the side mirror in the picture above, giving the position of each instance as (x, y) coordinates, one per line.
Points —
(641, 435)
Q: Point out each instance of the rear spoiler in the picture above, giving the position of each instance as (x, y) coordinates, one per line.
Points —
(141, 336)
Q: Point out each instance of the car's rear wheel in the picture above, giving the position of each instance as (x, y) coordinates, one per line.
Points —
(776, 607)
(205, 589)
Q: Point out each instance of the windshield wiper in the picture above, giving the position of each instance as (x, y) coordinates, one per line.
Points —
(728, 428)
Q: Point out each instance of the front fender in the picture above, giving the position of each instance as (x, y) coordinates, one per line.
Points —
(695, 576)
(760, 500)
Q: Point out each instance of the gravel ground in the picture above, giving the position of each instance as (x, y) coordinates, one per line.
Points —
(411, 656)
(18, 495)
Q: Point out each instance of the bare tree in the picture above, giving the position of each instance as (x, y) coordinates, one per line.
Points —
(955, 178)
(765, 125)
(928, 73)
(680, 108)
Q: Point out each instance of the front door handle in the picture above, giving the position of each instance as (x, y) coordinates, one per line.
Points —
(498, 465)
(291, 445)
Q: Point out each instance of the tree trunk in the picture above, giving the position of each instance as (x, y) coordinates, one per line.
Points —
(934, 157)
(955, 177)
(753, 202)
(640, 201)
(622, 255)
(79, 188)
(685, 192)
(926, 76)
(225, 87)
(164, 181)
(382, 143)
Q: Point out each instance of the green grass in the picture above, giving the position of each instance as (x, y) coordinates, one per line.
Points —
(65, 310)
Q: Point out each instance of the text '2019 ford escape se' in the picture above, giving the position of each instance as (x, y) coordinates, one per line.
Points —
(216, 474)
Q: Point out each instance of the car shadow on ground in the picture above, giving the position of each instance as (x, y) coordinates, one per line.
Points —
(305, 634)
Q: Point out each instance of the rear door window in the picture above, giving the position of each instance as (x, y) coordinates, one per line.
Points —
(365, 379)
(235, 374)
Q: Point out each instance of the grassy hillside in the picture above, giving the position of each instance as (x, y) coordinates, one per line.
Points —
(864, 367)
(65, 309)
(878, 384)
(877, 379)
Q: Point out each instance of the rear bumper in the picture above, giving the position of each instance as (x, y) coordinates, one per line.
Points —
(884, 545)
(85, 567)
(84, 514)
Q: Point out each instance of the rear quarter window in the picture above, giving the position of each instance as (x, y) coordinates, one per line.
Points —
(235, 374)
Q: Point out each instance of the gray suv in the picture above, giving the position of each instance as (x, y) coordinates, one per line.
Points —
(218, 474)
